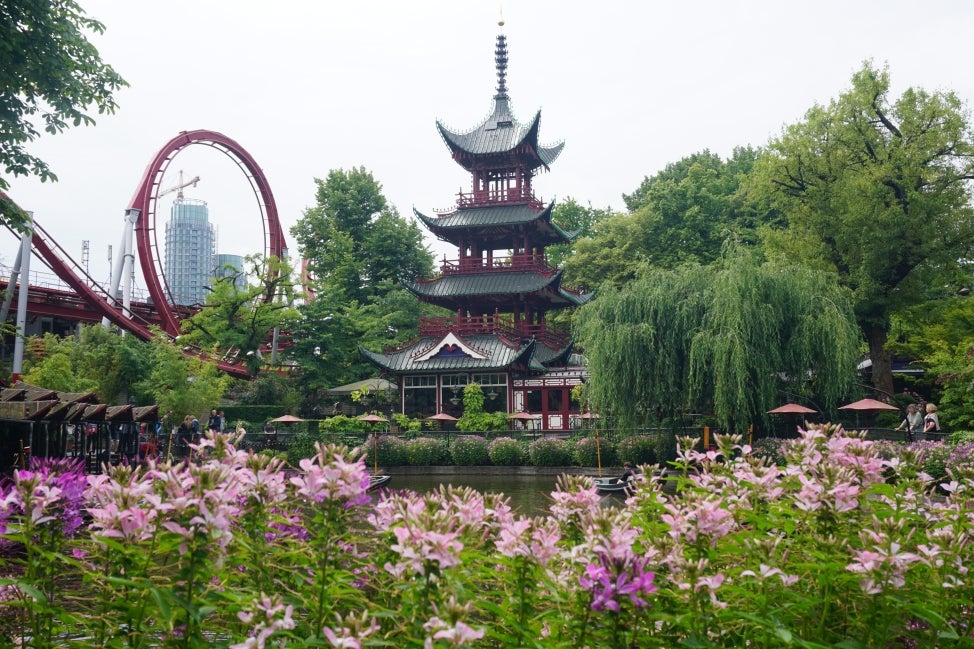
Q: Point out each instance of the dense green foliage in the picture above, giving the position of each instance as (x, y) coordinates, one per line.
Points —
(638, 450)
(723, 338)
(238, 320)
(50, 70)
(878, 191)
(549, 451)
(427, 451)
(469, 450)
(505, 451)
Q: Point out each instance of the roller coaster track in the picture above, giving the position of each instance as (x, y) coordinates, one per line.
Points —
(144, 201)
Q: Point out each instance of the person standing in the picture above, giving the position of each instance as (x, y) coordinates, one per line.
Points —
(213, 425)
(913, 423)
(931, 422)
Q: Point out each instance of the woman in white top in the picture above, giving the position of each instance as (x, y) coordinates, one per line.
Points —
(931, 423)
(913, 424)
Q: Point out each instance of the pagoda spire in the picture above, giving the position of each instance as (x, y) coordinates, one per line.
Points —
(500, 60)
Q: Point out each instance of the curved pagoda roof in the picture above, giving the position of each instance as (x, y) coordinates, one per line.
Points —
(493, 226)
(450, 352)
(500, 134)
(495, 290)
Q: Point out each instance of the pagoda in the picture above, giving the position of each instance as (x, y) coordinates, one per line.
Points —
(500, 288)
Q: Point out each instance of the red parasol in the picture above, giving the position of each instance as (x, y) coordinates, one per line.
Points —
(791, 409)
(523, 416)
(868, 405)
(372, 418)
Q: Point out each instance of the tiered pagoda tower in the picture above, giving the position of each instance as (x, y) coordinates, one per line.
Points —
(501, 287)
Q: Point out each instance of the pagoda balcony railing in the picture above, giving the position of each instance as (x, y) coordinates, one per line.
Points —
(492, 324)
(508, 196)
(471, 265)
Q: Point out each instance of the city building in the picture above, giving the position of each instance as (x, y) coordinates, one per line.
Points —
(225, 265)
(500, 288)
(190, 250)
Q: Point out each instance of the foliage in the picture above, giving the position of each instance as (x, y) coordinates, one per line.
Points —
(708, 339)
(185, 385)
(587, 451)
(97, 360)
(359, 251)
(637, 449)
(239, 321)
(823, 552)
(572, 217)
(407, 424)
(469, 450)
(879, 191)
(267, 388)
(770, 448)
(686, 213)
(427, 451)
(391, 451)
(547, 451)
(474, 418)
(49, 69)
(505, 451)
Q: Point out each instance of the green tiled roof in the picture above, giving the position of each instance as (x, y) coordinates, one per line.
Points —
(495, 289)
(501, 133)
(499, 356)
(496, 224)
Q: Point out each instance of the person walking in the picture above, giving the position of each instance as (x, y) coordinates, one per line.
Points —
(931, 422)
(913, 423)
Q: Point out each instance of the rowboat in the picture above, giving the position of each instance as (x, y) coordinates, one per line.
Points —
(376, 481)
(608, 486)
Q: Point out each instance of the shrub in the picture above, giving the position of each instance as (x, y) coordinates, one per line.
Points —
(426, 451)
(391, 451)
(933, 457)
(505, 451)
(469, 450)
(302, 445)
(549, 452)
(585, 452)
(638, 449)
(770, 447)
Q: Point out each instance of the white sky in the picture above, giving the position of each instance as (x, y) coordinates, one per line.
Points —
(306, 87)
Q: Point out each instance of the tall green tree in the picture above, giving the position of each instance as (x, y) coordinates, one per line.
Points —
(354, 240)
(184, 385)
(878, 191)
(572, 216)
(239, 316)
(96, 360)
(51, 70)
(683, 214)
(725, 338)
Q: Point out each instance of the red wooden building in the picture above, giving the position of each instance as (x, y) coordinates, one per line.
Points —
(500, 288)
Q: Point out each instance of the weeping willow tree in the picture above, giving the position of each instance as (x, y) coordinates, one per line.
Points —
(725, 339)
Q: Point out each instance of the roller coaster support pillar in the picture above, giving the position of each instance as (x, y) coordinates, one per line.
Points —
(25, 247)
(125, 261)
(9, 297)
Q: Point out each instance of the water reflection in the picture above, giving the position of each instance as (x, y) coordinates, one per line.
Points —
(529, 494)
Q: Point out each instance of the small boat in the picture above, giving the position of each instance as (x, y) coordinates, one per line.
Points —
(376, 481)
(607, 486)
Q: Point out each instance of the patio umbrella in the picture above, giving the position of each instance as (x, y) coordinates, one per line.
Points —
(286, 419)
(868, 405)
(441, 416)
(372, 418)
(523, 416)
(791, 409)
(589, 415)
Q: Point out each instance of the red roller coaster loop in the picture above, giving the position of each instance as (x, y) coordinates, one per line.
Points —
(145, 200)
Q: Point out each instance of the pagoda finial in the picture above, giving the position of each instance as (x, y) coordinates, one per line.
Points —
(500, 59)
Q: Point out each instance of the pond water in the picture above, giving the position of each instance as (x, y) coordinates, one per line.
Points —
(529, 493)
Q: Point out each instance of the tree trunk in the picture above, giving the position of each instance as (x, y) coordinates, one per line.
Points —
(882, 369)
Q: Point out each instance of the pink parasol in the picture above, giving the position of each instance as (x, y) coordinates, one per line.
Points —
(589, 415)
(286, 419)
(868, 405)
(523, 416)
(372, 418)
(791, 409)
(441, 416)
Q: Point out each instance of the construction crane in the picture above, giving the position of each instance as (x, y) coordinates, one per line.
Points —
(179, 186)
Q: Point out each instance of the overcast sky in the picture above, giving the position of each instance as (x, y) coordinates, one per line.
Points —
(310, 86)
